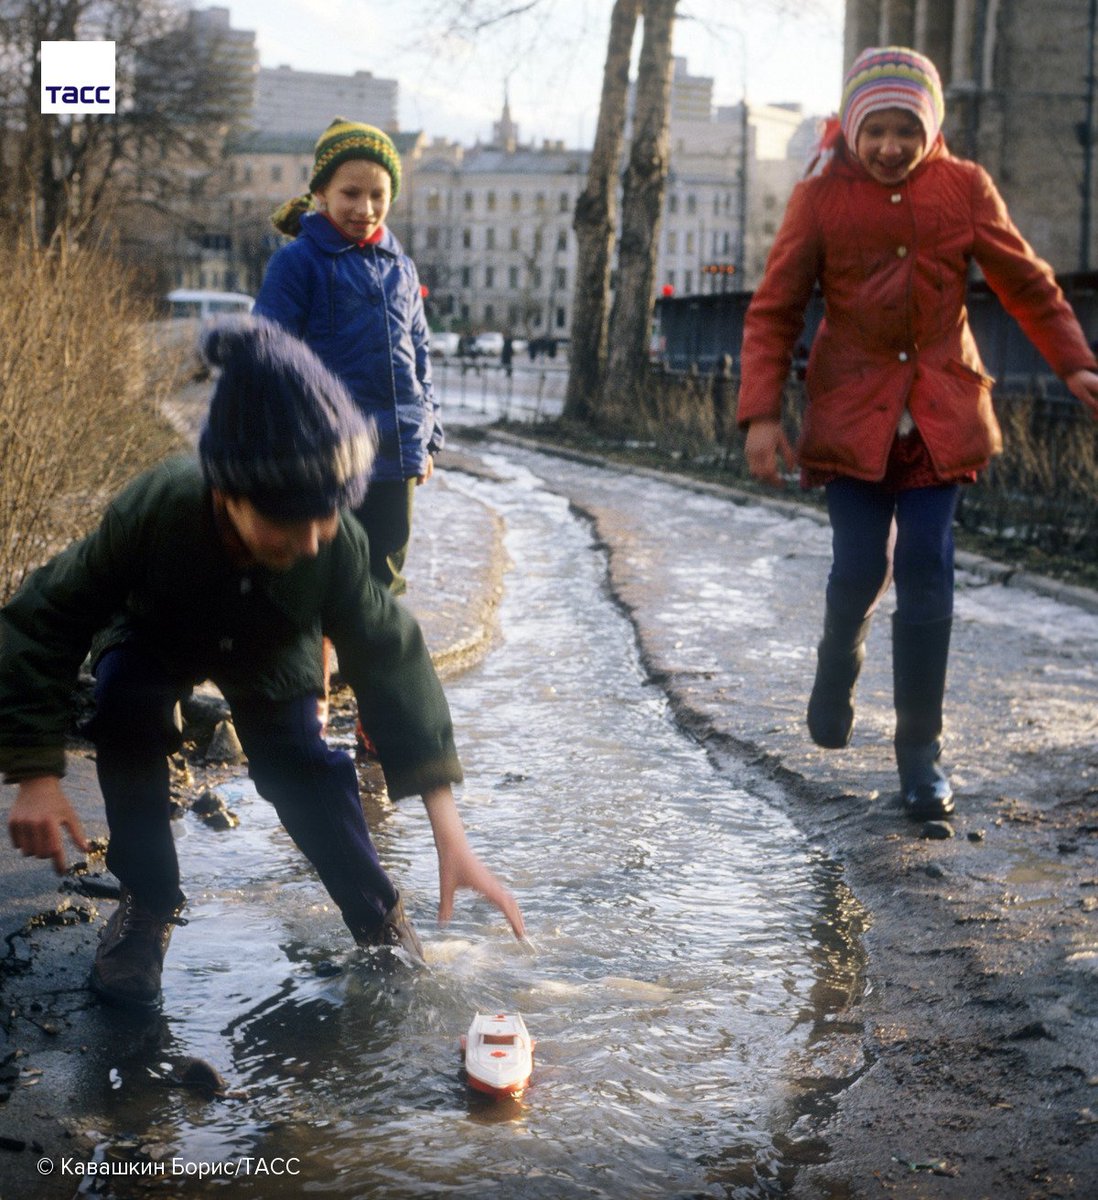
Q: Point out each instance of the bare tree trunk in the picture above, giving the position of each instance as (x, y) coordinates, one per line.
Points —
(642, 203)
(595, 220)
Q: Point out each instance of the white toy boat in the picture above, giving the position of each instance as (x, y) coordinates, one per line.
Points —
(499, 1054)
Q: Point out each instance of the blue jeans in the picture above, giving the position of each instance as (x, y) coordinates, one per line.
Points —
(313, 788)
(878, 535)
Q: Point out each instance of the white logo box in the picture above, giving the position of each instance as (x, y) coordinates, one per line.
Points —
(78, 77)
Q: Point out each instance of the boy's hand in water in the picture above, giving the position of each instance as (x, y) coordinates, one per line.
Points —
(459, 867)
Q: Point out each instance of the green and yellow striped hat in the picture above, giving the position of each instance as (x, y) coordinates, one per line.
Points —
(344, 140)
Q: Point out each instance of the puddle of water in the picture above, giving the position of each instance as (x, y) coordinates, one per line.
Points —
(686, 947)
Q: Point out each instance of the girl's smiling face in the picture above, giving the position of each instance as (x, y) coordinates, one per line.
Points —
(890, 144)
(357, 197)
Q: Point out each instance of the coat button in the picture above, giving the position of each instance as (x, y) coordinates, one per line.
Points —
(902, 356)
(896, 197)
(901, 252)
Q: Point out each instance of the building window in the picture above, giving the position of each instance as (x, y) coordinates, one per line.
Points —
(562, 239)
(688, 282)
(671, 278)
(516, 202)
(434, 202)
(539, 202)
(465, 312)
(716, 205)
(728, 241)
(537, 241)
(513, 278)
(467, 238)
(514, 237)
(672, 242)
(467, 201)
(276, 173)
(562, 278)
(513, 315)
(306, 171)
(490, 238)
(691, 204)
(565, 202)
(535, 277)
(432, 237)
(489, 277)
(466, 277)
(562, 317)
(690, 242)
(490, 201)
(489, 314)
(672, 203)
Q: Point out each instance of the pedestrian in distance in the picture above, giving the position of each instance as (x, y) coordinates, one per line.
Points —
(898, 414)
(231, 567)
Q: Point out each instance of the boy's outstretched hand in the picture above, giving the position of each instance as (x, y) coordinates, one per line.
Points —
(459, 867)
(40, 811)
(1083, 385)
(765, 441)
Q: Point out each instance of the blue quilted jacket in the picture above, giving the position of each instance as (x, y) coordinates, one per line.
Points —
(360, 309)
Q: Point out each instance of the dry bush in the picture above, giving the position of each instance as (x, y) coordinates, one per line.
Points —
(81, 388)
(1043, 489)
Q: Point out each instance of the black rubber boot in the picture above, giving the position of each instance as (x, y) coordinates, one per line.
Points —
(839, 658)
(919, 657)
(396, 932)
(131, 951)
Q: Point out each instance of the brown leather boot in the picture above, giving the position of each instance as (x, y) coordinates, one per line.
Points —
(396, 931)
(131, 953)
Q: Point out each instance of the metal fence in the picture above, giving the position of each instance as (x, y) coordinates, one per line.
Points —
(484, 389)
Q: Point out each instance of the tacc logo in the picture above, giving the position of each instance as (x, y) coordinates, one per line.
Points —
(78, 77)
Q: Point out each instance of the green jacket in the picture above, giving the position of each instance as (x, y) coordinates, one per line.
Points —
(156, 571)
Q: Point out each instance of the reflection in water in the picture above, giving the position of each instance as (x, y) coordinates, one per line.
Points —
(686, 950)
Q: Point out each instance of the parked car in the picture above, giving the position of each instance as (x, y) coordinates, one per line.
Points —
(488, 345)
(444, 345)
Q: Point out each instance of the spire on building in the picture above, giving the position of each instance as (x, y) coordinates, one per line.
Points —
(505, 131)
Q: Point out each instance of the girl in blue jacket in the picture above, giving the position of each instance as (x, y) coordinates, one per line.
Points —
(345, 286)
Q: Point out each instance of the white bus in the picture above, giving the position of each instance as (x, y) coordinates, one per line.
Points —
(191, 302)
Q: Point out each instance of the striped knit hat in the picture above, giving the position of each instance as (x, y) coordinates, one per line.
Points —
(342, 141)
(891, 77)
(281, 430)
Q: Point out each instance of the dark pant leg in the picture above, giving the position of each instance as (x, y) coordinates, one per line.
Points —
(924, 553)
(386, 515)
(314, 790)
(134, 731)
(861, 544)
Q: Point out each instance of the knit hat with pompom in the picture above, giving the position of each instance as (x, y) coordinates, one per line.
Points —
(281, 430)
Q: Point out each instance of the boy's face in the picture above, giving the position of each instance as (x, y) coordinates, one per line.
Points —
(357, 197)
(890, 144)
(277, 545)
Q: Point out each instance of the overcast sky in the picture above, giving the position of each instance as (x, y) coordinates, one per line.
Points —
(550, 58)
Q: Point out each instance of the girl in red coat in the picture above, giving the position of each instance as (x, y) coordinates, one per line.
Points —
(899, 407)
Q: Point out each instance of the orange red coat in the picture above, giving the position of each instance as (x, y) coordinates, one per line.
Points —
(893, 265)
